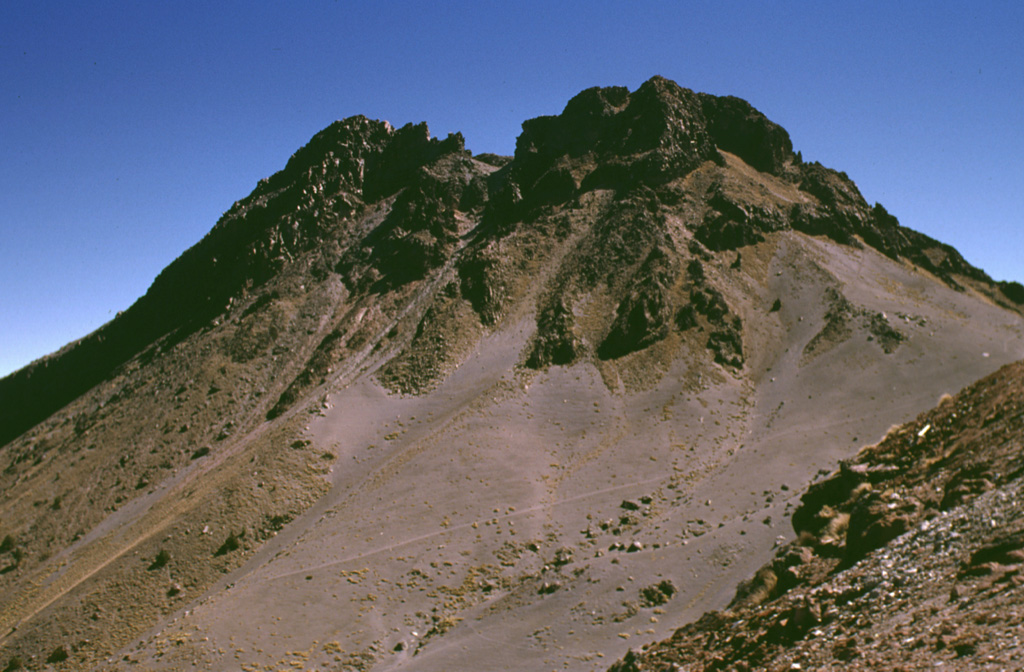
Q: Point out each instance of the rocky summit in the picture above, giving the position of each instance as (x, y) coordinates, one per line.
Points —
(410, 407)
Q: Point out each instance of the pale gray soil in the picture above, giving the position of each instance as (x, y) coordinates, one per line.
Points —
(479, 526)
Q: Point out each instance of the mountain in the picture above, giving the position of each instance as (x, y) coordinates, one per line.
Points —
(406, 407)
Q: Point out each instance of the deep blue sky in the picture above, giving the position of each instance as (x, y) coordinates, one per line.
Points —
(127, 128)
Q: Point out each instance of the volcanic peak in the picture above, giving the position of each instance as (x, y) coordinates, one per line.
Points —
(700, 276)
(663, 152)
(384, 207)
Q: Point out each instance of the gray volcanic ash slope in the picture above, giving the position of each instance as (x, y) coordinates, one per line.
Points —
(908, 557)
(405, 407)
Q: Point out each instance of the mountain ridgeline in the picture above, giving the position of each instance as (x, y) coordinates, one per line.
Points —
(623, 165)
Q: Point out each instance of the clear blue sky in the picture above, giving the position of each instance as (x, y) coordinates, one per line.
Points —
(127, 128)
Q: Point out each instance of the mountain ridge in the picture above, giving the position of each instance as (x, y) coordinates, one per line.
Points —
(373, 159)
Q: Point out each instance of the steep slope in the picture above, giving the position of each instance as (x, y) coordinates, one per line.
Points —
(909, 556)
(404, 403)
(301, 209)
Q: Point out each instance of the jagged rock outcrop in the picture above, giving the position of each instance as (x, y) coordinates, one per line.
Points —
(607, 137)
(729, 225)
(557, 341)
(736, 127)
(646, 314)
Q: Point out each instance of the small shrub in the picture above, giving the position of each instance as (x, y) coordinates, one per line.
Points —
(14, 665)
(230, 544)
(161, 559)
(7, 544)
(59, 655)
(201, 452)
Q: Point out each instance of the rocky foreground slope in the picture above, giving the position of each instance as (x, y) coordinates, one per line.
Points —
(407, 407)
(909, 556)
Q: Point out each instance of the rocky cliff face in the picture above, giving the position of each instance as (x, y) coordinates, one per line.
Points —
(653, 273)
